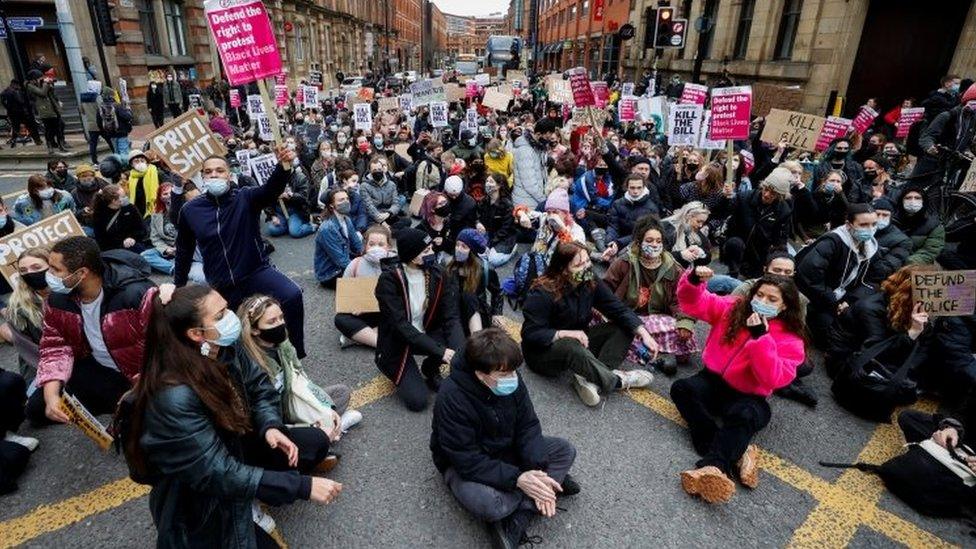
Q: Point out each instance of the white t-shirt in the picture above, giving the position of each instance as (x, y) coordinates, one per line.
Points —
(91, 318)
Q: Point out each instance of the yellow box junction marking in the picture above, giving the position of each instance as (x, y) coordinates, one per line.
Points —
(50, 518)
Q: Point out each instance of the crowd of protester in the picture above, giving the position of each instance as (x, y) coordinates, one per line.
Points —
(618, 246)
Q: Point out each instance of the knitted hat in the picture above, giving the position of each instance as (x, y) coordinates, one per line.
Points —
(410, 242)
(474, 239)
(637, 160)
(453, 185)
(558, 200)
(136, 153)
(883, 203)
(84, 168)
(779, 181)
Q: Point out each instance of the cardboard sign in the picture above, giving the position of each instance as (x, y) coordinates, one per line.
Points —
(389, 104)
(945, 293)
(183, 143)
(416, 201)
(363, 115)
(496, 100)
(356, 295)
(908, 118)
(235, 99)
(406, 102)
(265, 132)
(471, 118)
(427, 90)
(80, 416)
(684, 121)
(704, 142)
(438, 114)
(483, 79)
(281, 95)
(262, 167)
(969, 182)
(310, 97)
(693, 94)
(517, 76)
(627, 109)
(601, 94)
(454, 93)
(766, 97)
(834, 127)
(579, 83)
(255, 105)
(798, 130)
(865, 117)
(627, 89)
(730, 112)
(587, 116)
(401, 150)
(245, 40)
(559, 91)
(45, 232)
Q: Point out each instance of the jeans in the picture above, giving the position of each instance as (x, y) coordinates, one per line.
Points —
(412, 390)
(271, 281)
(705, 397)
(121, 146)
(93, 137)
(608, 347)
(723, 284)
(97, 387)
(157, 261)
(497, 259)
(297, 226)
(491, 504)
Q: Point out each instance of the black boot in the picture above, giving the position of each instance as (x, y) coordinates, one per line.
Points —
(667, 364)
(799, 392)
(570, 486)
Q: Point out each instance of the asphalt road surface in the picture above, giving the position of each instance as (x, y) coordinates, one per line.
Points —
(630, 451)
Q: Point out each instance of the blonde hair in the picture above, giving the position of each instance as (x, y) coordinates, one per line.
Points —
(26, 308)
(250, 313)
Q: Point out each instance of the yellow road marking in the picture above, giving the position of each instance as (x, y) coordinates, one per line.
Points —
(49, 518)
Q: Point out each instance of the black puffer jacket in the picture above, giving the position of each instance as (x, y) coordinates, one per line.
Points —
(623, 216)
(762, 227)
(822, 267)
(499, 222)
(894, 247)
(485, 438)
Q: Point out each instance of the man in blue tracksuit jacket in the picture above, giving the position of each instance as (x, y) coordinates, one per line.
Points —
(225, 223)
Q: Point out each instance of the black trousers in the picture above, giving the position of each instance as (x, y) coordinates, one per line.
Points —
(704, 398)
(349, 324)
(52, 131)
(175, 109)
(97, 387)
(157, 117)
(13, 456)
(312, 442)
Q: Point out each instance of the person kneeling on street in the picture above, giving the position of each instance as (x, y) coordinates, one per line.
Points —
(487, 443)
(753, 348)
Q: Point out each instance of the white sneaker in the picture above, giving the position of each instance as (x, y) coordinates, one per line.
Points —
(262, 519)
(588, 392)
(345, 342)
(630, 379)
(27, 442)
(350, 419)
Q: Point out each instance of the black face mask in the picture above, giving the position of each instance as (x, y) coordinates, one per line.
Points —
(36, 281)
(275, 336)
(870, 174)
(693, 168)
(600, 171)
(443, 211)
(839, 156)
(377, 176)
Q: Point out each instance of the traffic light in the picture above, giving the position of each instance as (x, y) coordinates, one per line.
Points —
(103, 21)
(669, 32)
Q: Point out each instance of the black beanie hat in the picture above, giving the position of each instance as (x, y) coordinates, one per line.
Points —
(883, 203)
(410, 242)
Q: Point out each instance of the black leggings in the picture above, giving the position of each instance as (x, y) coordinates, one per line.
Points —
(349, 324)
(97, 387)
(52, 131)
(13, 396)
(312, 442)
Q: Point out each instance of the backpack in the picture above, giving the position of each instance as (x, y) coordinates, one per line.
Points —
(528, 267)
(869, 389)
(110, 122)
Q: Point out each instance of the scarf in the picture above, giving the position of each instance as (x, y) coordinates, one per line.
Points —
(150, 186)
(638, 297)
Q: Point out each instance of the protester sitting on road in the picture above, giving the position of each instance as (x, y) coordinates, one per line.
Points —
(464, 210)
(349, 182)
(557, 336)
(143, 185)
(265, 339)
(84, 194)
(41, 201)
(418, 316)
(495, 219)
(361, 328)
(379, 194)
(478, 287)
(624, 214)
(291, 211)
(754, 347)
(59, 177)
(15, 450)
(822, 208)
(684, 236)
(337, 241)
(435, 220)
(500, 161)
(117, 223)
(25, 310)
(225, 224)
(162, 234)
(205, 429)
(99, 304)
(914, 218)
(487, 442)
(646, 280)
(760, 222)
(894, 246)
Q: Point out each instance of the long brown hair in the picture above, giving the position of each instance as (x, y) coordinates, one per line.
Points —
(35, 183)
(250, 313)
(556, 277)
(713, 180)
(898, 288)
(471, 271)
(791, 315)
(171, 359)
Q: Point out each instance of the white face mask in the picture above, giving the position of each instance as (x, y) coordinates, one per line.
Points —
(139, 166)
(46, 193)
(376, 254)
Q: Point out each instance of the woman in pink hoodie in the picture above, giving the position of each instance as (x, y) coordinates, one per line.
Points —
(753, 348)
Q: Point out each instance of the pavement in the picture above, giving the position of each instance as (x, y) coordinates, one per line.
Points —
(630, 451)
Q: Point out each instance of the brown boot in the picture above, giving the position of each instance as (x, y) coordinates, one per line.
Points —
(749, 467)
(327, 464)
(708, 482)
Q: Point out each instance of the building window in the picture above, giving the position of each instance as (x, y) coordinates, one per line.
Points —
(175, 27)
(707, 37)
(586, 7)
(742, 32)
(788, 24)
(299, 45)
(147, 22)
(572, 12)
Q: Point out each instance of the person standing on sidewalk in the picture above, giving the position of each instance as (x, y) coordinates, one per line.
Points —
(48, 108)
(114, 121)
(19, 112)
(173, 95)
(156, 103)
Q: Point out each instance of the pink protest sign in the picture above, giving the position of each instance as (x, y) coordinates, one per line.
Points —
(864, 119)
(471, 88)
(730, 113)
(299, 95)
(909, 117)
(627, 109)
(694, 94)
(244, 37)
(235, 99)
(580, 84)
(281, 79)
(833, 128)
(281, 94)
(601, 94)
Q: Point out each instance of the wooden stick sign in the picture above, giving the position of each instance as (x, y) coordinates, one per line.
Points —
(185, 142)
(798, 130)
(945, 293)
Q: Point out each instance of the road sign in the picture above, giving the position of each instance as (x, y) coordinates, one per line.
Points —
(22, 24)
(626, 32)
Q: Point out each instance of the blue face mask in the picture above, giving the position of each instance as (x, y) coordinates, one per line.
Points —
(461, 255)
(3, 220)
(762, 308)
(216, 186)
(863, 235)
(229, 330)
(506, 385)
(883, 223)
(429, 260)
(56, 284)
